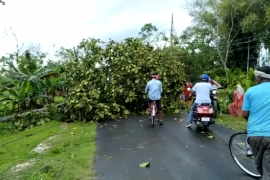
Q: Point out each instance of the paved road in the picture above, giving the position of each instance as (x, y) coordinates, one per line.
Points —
(175, 152)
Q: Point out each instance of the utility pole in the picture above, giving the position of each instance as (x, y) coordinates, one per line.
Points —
(171, 34)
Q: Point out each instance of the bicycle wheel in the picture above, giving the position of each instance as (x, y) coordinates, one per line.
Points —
(153, 121)
(153, 113)
(238, 148)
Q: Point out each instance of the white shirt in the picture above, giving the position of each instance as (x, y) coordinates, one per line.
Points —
(202, 90)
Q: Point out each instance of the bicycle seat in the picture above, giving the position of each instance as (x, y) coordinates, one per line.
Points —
(204, 104)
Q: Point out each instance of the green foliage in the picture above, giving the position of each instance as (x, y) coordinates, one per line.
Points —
(235, 77)
(26, 83)
(221, 30)
(147, 31)
(116, 87)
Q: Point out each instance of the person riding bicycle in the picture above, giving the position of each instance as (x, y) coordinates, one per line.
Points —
(202, 90)
(256, 109)
(154, 90)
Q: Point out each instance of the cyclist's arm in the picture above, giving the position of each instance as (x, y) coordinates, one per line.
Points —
(246, 106)
(146, 88)
(160, 88)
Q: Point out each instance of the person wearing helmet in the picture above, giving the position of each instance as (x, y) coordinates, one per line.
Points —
(154, 90)
(202, 90)
(256, 109)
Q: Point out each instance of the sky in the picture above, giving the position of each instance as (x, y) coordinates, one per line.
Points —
(55, 23)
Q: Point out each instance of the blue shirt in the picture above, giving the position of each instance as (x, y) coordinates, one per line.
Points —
(257, 102)
(154, 89)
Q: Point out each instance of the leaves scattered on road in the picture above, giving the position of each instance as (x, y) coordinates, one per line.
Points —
(145, 164)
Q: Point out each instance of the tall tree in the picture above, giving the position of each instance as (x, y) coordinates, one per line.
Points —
(235, 29)
(147, 31)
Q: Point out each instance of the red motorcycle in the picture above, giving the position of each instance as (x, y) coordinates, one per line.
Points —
(203, 116)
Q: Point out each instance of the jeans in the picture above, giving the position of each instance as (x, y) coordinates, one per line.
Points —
(191, 113)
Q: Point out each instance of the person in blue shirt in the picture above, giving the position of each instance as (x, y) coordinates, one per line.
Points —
(154, 90)
(256, 109)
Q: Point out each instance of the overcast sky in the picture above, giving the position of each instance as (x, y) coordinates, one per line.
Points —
(67, 22)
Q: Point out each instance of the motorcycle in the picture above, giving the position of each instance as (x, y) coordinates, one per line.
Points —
(213, 97)
(203, 115)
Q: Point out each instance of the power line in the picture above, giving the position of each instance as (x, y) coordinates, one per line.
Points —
(244, 38)
(201, 54)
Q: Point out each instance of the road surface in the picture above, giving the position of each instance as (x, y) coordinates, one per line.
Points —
(174, 151)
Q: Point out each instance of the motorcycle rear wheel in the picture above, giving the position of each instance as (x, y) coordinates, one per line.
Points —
(215, 105)
(205, 128)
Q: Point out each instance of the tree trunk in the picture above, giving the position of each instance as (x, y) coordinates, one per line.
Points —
(9, 118)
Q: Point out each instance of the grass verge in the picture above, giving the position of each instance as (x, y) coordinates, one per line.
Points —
(70, 153)
(231, 122)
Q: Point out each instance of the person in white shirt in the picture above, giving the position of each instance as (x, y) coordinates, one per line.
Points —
(202, 90)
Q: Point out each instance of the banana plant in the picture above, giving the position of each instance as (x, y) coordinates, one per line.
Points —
(27, 78)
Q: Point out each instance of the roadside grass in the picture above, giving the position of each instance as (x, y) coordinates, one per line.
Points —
(231, 122)
(70, 153)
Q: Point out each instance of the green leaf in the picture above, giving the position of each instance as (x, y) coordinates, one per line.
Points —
(145, 164)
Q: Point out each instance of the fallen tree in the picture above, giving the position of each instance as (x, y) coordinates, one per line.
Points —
(24, 114)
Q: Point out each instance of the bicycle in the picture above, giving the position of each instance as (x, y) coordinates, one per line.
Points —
(235, 144)
(153, 112)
